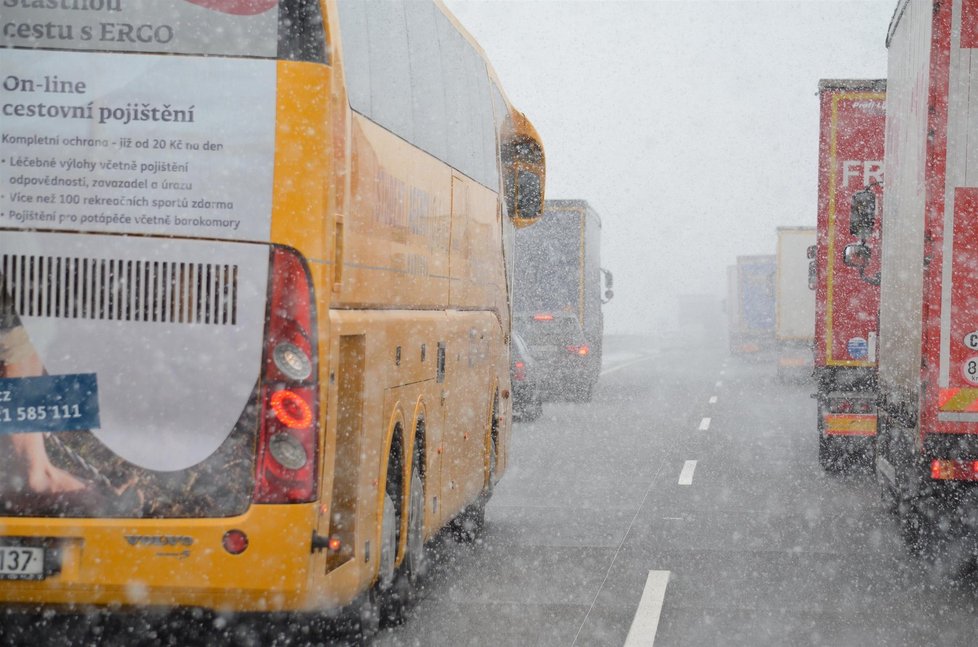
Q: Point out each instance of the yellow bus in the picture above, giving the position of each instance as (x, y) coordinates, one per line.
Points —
(254, 317)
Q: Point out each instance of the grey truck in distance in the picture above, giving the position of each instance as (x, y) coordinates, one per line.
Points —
(557, 297)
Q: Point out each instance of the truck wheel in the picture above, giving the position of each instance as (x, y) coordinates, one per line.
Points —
(828, 454)
(887, 496)
(917, 531)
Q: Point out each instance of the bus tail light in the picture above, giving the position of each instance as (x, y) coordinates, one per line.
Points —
(288, 440)
(581, 350)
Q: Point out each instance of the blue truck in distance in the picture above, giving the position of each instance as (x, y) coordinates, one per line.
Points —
(751, 304)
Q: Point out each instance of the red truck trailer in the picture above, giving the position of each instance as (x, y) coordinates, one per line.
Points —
(927, 445)
(847, 299)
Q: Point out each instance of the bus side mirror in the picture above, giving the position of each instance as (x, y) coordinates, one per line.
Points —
(856, 255)
(862, 214)
(524, 170)
(528, 203)
(609, 283)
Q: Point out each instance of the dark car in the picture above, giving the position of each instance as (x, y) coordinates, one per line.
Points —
(566, 368)
(527, 403)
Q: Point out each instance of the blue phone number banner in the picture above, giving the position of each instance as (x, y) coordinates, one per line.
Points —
(49, 403)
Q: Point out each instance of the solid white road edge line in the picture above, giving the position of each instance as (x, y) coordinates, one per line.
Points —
(614, 558)
(713, 399)
(612, 369)
(646, 621)
(704, 424)
(686, 476)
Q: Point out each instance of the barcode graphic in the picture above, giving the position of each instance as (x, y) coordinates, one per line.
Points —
(119, 290)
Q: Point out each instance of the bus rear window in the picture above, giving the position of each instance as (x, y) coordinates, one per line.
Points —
(287, 29)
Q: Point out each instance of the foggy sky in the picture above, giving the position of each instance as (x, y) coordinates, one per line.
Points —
(691, 126)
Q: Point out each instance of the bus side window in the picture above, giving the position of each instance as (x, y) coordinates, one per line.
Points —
(427, 81)
(409, 70)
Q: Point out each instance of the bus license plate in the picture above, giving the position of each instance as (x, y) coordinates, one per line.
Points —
(21, 562)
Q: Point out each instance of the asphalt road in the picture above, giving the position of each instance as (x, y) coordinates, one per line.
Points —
(605, 525)
(684, 505)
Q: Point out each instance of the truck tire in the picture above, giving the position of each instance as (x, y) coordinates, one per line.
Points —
(828, 454)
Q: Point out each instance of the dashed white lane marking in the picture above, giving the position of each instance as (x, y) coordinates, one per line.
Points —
(713, 400)
(704, 424)
(646, 621)
(686, 476)
(719, 383)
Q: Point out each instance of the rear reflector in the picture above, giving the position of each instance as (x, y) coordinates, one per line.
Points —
(235, 542)
(953, 470)
(543, 316)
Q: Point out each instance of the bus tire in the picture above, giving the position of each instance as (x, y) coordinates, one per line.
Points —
(468, 526)
(416, 560)
(407, 579)
(374, 608)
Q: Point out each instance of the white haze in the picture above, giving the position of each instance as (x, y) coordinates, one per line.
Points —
(692, 127)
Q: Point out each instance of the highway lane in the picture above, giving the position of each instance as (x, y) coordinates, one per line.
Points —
(760, 545)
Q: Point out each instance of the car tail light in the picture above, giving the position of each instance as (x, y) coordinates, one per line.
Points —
(519, 371)
(582, 350)
(288, 439)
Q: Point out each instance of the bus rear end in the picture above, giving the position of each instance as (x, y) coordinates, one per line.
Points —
(159, 390)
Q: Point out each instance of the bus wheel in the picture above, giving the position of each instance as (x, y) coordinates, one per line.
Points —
(467, 526)
(407, 579)
(374, 607)
(416, 560)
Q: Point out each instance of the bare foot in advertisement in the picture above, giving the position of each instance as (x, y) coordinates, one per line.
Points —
(42, 477)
